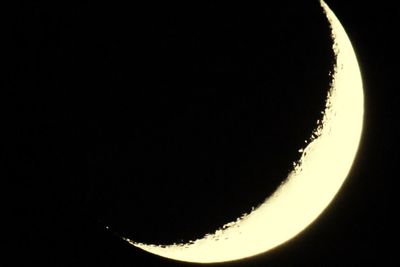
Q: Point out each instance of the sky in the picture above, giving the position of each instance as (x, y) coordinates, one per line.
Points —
(165, 122)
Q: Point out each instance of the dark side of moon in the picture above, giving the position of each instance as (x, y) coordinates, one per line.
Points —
(196, 117)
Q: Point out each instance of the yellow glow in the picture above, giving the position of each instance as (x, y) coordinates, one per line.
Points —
(317, 177)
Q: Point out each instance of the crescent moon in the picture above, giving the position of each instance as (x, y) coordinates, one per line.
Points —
(309, 188)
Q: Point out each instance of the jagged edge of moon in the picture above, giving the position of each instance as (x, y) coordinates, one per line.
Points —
(318, 131)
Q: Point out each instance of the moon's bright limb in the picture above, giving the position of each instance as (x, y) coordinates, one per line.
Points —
(317, 177)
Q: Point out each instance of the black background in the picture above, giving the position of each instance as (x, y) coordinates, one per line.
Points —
(165, 121)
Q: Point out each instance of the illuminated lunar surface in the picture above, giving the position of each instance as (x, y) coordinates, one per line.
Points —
(315, 180)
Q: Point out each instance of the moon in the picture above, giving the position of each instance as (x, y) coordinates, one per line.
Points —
(309, 188)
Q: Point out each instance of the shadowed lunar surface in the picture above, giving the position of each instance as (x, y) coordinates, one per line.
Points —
(203, 118)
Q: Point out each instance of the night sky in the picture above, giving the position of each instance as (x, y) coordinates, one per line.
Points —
(166, 121)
